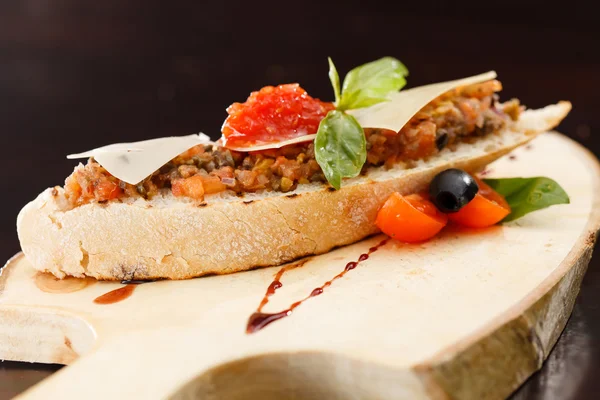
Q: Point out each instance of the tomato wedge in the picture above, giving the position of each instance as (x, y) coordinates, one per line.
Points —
(410, 218)
(487, 208)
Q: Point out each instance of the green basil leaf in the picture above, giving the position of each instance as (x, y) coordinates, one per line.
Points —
(335, 81)
(340, 147)
(525, 195)
(371, 83)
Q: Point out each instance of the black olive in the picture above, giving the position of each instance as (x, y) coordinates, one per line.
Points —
(452, 189)
(441, 139)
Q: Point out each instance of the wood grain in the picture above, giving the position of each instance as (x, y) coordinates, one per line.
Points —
(469, 315)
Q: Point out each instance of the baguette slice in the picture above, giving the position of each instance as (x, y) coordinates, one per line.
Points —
(171, 238)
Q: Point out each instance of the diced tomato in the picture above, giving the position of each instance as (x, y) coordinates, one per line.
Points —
(287, 168)
(246, 178)
(273, 114)
(469, 112)
(107, 190)
(410, 218)
(224, 172)
(487, 208)
(72, 187)
(212, 184)
(192, 187)
(419, 140)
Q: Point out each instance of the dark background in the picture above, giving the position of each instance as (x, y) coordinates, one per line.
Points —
(80, 74)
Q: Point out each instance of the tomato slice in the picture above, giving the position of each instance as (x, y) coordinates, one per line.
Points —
(487, 208)
(410, 218)
(273, 114)
(190, 187)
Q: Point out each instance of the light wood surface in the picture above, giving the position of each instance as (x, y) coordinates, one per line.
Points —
(469, 315)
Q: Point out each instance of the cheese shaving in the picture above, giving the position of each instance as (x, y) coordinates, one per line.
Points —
(133, 162)
(404, 105)
(275, 145)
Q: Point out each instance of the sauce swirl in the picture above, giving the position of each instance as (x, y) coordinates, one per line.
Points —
(258, 320)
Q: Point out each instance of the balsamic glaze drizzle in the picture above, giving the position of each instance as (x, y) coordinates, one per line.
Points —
(259, 320)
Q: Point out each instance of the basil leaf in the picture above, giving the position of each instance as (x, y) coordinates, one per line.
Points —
(335, 81)
(525, 195)
(340, 147)
(371, 83)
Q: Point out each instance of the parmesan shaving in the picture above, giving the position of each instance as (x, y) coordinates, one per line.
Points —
(133, 162)
(404, 105)
(275, 145)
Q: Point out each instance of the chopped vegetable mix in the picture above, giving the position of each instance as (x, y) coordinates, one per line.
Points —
(455, 117)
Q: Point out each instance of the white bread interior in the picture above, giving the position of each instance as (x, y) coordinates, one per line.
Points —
(172, 238)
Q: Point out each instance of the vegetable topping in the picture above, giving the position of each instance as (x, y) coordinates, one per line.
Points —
(285, 168)
(309, 140)
(273, 114)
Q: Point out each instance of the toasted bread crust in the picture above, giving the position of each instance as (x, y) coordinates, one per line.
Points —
(179, 240)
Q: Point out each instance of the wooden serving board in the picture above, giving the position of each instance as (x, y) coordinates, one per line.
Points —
(469, 315)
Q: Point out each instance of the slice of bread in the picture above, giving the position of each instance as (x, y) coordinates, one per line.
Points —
(171, 238)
